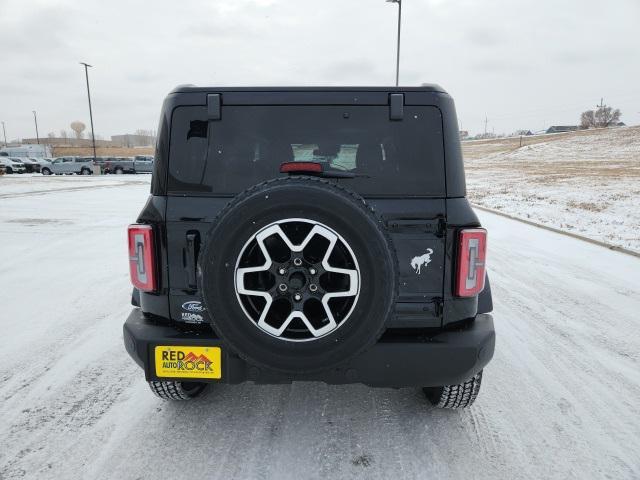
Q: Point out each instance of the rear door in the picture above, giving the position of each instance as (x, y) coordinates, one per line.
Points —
(395, 161)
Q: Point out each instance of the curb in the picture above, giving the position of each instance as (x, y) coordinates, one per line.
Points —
(557, 230)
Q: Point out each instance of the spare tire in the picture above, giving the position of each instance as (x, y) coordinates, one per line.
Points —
(298, 275)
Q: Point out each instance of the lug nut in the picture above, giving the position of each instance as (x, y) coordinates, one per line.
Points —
(297, 262)
(282, 287)
(313, 287)
(312, 271)
(297, 297)
(282, 271)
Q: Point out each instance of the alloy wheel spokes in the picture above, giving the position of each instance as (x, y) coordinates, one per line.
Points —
(298, 305)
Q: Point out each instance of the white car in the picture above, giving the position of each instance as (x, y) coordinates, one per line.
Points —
(12, 165)
(68, 165)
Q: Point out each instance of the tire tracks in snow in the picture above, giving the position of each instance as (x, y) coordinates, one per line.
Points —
(69, 189)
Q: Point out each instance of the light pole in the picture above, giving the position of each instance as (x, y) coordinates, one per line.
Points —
(93, 133)
(399, 2)
(35, 119)
(4, 132)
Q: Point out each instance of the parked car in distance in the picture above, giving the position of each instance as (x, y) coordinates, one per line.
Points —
(105, 163)
(121, 165)
(12, 165)
(69, 166)
(143, 164)
(32, 165)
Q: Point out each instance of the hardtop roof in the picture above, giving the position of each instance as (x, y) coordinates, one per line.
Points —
(426, 87)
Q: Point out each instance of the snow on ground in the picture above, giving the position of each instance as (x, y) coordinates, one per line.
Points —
(559, 400)
(36, 183)
(587, 183)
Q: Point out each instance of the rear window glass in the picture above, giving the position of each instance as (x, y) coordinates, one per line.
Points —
(249, 143)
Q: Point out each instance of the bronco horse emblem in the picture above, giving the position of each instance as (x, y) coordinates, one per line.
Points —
(421, 261)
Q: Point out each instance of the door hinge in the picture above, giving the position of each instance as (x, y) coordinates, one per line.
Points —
(442, 226)
(438, 306)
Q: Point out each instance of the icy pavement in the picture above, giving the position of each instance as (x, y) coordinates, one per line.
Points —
(559, 400)
(36, 184)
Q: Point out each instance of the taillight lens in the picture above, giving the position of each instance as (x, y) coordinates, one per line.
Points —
(472, 252)
(142, 257)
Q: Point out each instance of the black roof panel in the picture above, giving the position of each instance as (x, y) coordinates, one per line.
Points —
(427, 87)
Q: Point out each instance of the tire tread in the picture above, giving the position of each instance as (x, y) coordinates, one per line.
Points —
(456, 396)
(171, 391)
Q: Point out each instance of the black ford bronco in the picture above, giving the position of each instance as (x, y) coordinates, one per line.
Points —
(310, 234)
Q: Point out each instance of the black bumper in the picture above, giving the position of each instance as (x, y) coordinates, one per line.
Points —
(447, 358)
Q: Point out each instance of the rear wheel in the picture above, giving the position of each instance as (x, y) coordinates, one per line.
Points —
(178, 390)
(119, 171)
(85, 171)
(455, 396)
(9, 170)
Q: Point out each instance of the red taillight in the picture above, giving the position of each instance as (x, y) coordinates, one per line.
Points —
(301, 167)
(472, 252)
(142, 258)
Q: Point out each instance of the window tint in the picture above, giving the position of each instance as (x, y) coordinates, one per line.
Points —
(249, 143)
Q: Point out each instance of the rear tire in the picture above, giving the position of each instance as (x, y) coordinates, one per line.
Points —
(119, 171)
(85, 171)
(9, 170)
(455, 396)
(179, 391)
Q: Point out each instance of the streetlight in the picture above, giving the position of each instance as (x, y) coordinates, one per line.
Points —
(5, 134)
(399, 2)
(93, 133)
(35, 119)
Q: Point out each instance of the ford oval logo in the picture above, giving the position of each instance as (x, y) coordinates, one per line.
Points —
(193, 306)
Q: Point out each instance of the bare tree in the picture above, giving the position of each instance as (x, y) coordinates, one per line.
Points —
(588, 119)
(603, 116)
(607, 116)
(78, 128)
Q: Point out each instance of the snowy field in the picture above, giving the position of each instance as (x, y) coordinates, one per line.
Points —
(587, 183)
(559, 400)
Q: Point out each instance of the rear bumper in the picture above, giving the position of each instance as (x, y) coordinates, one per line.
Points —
(447, 358)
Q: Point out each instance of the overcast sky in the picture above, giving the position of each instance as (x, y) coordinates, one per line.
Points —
(522, 64)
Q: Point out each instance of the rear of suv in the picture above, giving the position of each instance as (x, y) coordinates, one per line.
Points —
(310, 234)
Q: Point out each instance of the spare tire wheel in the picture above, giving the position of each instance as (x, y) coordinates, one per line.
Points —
(298, 275)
